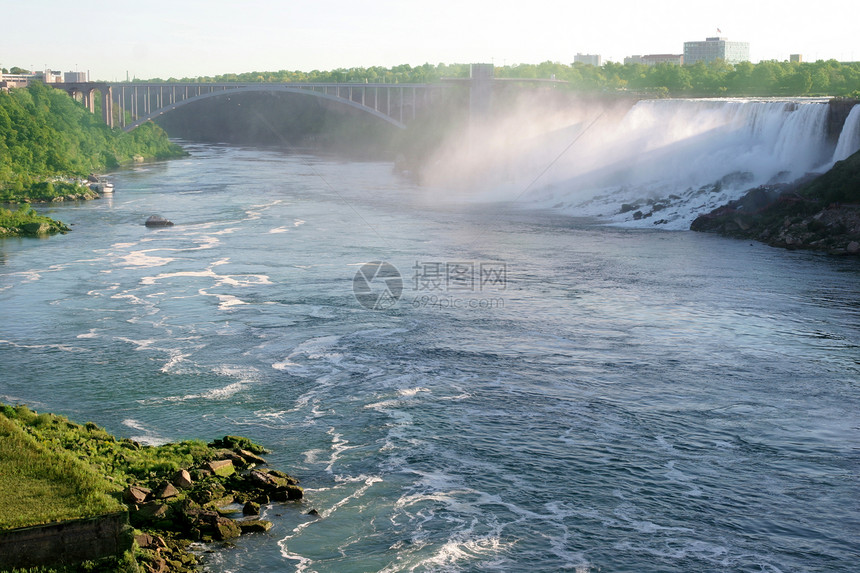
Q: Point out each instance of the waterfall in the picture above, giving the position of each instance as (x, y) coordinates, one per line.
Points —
(688, 157)
(849, 139)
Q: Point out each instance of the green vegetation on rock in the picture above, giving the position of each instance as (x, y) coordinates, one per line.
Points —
(25, 222)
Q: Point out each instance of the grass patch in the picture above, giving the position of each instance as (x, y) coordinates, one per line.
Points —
(40, 485)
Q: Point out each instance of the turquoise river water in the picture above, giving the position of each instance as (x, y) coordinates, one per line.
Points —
(537, 393)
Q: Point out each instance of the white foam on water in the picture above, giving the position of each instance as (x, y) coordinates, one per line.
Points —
(454, 552)
(62, 347)
(314, 349)
(142, 259)
(366, 482)
(130, 297)
(405, 396)
(338, 447)
(278, 230)
(222, 393)
(25, 277)
(90, 334)
(176, 358)
(149, 437)
(227, 301)
(411, 392)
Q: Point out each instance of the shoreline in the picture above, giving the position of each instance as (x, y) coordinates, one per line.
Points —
(172, 497)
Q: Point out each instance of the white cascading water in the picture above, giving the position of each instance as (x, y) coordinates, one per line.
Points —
(687, 157)
(849, 139)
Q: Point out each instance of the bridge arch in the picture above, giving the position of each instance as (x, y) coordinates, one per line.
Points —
(277, 88)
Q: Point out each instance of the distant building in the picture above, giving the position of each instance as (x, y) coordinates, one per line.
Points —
(588, 59)
(654, 59)
(74, 77)
(9, 81)
(48, 77)
(795, 58)
(716, 49)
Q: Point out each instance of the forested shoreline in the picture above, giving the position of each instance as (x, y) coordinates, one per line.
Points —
(715, 79)
(50, 144)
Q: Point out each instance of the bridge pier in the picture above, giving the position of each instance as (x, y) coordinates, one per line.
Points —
(481, 90)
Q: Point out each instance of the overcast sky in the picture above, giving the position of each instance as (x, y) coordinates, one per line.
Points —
(185, 38)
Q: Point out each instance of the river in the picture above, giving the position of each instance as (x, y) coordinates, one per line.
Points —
(533, 392)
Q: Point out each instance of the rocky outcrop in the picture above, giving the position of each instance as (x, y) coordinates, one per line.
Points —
(190, 506)
(822, 214)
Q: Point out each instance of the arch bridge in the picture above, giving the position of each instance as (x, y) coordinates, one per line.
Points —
(137, 103)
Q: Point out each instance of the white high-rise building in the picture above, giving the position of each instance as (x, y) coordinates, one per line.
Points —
(716, 49)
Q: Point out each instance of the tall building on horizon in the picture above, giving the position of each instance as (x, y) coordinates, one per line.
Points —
(717, 48)
(589, 59)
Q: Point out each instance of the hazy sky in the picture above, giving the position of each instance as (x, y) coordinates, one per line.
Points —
(183, 38)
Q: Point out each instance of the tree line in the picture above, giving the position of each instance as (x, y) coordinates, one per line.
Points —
(718, 78)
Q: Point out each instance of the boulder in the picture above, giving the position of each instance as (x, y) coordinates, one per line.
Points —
(209, 523)
(238, 460)
(147, 541)
(135, 495)
(221, 467)
(288, 493)
(254, 526)
(266, 480)
(251, 458)
(236, 443)
(182, 479)
(158, 221)
(166, 491)
(149, 512)
(251, 508)
(226, 528)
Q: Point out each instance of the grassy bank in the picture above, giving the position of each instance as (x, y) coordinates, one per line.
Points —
(40, 484)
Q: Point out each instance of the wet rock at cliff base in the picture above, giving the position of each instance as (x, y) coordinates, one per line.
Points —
(251, 508)
(158, 221)
(251, 458)
(255, 526)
